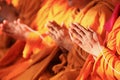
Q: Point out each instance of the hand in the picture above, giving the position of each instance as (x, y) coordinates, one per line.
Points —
(59, 34)
(15, 29)
(23, 32)
(87, 39)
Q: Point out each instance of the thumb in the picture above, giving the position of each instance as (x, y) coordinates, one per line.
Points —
(97, 38)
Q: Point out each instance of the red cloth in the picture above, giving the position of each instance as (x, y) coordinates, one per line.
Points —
(115, 15)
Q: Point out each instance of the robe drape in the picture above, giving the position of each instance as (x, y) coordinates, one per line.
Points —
(106, 66)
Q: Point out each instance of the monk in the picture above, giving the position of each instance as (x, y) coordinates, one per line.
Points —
(93, 14)
(104, 63)
(34, 44)
(7, 65)
(13, 12)
(71, 64)
(6, 41)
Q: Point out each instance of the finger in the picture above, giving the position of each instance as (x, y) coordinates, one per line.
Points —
(77, 30)
(78, 43)
(75, 40)
(90, 29)
(74, 36)
(5, 22)
(50, 26)
(95, 37)
(81, 28)
(15, 22)
(71, 35)
(75, 33)
(94, 34)
(19, 20)
(55, 26)
(52, 35)
(52, 31)
(61, 33)
(57, 34)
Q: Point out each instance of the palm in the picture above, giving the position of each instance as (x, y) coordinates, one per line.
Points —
(86, 39)
(15, 29)
(59, 34)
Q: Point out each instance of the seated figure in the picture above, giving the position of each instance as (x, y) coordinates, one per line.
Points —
(104, 61)
(5, 40)
(90, 16)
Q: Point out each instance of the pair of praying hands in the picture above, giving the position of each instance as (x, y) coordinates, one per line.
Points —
(20, 31)
(87, 39)
(15, 29)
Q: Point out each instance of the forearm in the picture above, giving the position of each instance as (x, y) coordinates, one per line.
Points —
(67, 44)
(109, 64)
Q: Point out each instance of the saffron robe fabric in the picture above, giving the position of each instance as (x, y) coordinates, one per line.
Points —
(18, 67)
(106, 66)
(74, 66)
(94, 16)
(14, 55)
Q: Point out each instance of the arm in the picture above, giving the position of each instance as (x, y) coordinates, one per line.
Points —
(21, 31)
(86, 39)
(15, 29)
(59, 34)
(108, 62)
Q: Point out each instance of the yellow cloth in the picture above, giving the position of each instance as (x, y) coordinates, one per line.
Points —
(113, 38)
(52, 10)
(27, 9)
(94, 16)
(109, 59)
(48, 47)
(106, 66)
(14, 54)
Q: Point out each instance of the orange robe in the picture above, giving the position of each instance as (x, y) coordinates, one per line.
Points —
(27, 20)
(94, 15)
(46, 50)
(56, 13)
(14, 54)
(106, 66)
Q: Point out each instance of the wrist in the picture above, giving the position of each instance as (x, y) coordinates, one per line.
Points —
(98, 51)
(27, 35)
